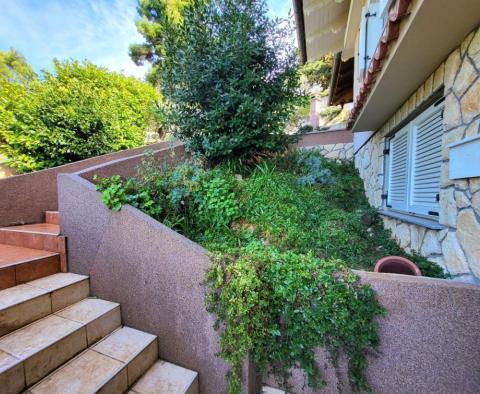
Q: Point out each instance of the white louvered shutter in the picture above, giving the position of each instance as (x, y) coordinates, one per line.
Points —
(427, 160)
(398, 170)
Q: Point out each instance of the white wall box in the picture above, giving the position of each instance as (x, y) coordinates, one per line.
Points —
(465, 158)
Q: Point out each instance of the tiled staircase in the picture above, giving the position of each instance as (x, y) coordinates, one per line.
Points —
(54, 338)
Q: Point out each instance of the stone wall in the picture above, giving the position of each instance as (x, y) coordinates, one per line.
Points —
(335, 151)
(457, 247)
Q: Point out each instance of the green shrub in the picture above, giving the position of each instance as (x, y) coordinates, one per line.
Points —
(229, 74)
(279, 307)
(188, 198)
(79, 111)
(330, 112)
(318, 72)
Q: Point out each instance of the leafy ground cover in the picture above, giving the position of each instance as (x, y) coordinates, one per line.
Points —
(298, 201)
(283, 237)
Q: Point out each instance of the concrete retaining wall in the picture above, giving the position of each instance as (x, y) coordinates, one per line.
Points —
(24, 198)
(430, 341)
(326, 138)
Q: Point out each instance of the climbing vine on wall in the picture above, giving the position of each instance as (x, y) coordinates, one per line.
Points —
(279, 307)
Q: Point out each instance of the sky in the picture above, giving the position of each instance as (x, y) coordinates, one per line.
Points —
(98, 30)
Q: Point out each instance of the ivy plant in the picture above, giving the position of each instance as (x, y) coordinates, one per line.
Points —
(279, 307)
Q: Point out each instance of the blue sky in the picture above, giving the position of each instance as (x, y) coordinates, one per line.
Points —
(98, 30)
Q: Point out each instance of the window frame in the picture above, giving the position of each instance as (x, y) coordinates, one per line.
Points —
(429, 211)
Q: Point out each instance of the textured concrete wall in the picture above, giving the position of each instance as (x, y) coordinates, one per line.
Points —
(430, 341)
(24, 198)
(153, 272)
(456, 248)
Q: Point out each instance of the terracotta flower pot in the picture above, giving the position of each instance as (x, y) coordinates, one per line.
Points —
(397, 265)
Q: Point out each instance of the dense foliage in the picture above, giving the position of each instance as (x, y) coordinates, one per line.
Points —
(298, 201)
(78, 111)
(318, 72)
(283, 236)
(14, 67)
(279, 307)
(229, 74)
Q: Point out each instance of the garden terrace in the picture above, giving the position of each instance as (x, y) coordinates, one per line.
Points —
(157, 275)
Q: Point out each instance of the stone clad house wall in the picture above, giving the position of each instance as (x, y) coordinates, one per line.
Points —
(456, 247)
(342, 151)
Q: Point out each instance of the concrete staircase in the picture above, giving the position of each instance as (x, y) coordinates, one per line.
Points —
(54, 338)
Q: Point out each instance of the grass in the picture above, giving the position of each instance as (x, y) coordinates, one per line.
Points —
(302, 202)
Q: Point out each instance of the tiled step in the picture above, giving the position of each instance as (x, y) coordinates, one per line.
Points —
(19, 264)
(23, 304)
(38, 228)
(167, 378)
(111, 366)
(32, 352)
(52, 217)
(43, 236)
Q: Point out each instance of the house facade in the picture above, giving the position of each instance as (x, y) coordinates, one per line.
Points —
(415, 117)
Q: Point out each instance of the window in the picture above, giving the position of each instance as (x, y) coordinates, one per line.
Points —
(371, 28)
(414, 161)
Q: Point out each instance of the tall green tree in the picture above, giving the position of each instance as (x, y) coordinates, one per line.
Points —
(14, 67)
(229, 74)
(78, 111)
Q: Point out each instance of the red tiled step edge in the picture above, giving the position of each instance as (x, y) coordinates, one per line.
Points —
(44, 236)
(19, 265)
(52, 217)
(39, 228)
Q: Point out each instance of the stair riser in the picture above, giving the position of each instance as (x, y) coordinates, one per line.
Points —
(103, 326)
(24, 313)
(52, 217)
(41, 364)
(12, 381)
(25, 272)
(51, 243)
(46, 360)
(7, 278)
(140, 364)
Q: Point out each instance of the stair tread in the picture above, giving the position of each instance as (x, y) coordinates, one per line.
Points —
(38, 228)
(87, 310)
(87, 372)
(12, 255)
(57, 281)
(165, 377)
(31, 339)
(40, 334)
(84, 374)
(124, 344)
(27, 291)
(18, 294)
